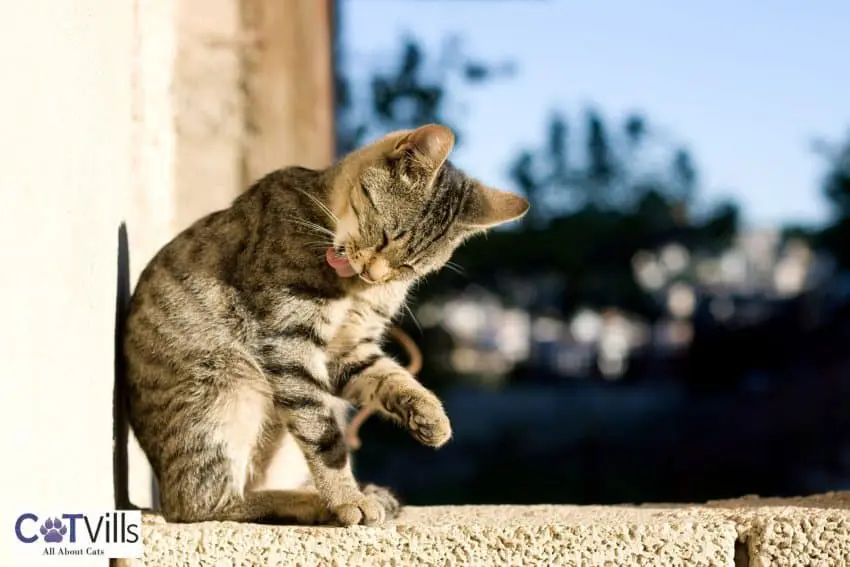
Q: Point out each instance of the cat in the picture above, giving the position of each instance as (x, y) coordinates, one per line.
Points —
(252, 332)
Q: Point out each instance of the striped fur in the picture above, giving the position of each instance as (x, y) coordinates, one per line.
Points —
(244, 347)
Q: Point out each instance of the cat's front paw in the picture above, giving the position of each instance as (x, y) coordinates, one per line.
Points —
(361, 508)
(392, 507)
(423, 415)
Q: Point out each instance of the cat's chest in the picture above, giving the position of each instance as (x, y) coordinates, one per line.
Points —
(362, 317)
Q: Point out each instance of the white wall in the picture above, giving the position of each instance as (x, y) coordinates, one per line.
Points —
(65, 168)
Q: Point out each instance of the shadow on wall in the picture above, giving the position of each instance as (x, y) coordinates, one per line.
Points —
(119, 417)
(120, 423)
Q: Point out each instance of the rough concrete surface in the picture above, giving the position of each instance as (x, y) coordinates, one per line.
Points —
(811, 531)
(746, 532)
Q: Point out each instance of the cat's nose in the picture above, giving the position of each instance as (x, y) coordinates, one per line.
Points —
(378, 269)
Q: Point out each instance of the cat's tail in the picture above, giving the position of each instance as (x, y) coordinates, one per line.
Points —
(414, 365)
(414, 355)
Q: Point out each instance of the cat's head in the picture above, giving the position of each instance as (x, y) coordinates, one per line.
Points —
(403, 208)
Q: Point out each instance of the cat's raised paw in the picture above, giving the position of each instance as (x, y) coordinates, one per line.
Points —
(424, 417)
(366, 509)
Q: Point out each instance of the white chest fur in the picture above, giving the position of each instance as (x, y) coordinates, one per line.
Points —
(365, 315)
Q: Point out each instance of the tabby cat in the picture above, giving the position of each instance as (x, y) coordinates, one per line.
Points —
(251, 333)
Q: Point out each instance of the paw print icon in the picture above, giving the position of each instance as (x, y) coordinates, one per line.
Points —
(53, 530)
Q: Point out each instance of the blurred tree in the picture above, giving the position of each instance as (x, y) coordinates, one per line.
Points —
(610, 173)
(684, 181)
(837, 183)
(595, 203)
(411, 93)
(836, 187)
(599, 193)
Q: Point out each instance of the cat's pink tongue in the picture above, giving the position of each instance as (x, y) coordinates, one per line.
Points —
(340, 264)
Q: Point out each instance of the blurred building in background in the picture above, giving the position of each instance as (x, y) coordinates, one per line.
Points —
(742, 285)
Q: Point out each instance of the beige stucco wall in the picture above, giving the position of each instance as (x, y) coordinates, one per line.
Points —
(208, 107)
(66, 140)
(151, 207)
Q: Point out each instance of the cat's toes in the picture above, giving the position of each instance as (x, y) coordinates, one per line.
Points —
(424, 416)
(388, 500)
(364, 509)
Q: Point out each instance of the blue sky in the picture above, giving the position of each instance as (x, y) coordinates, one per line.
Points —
(745, 85)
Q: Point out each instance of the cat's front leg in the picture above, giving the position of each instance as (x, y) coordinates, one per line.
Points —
(301, 390)
(373, 379)
(321, 440)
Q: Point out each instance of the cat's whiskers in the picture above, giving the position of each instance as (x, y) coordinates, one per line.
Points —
(412, 316)
(313, 226)
(324, 208)
(326, 243)
(319, 245)
(456, 268)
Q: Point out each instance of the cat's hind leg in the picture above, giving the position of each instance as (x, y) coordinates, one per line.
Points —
(209, 454)
(267, 506)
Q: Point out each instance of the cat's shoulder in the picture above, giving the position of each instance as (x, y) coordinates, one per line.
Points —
(276, 186)
(293, 175)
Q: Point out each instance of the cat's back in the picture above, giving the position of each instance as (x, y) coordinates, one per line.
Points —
(195, 292)
(184, 299)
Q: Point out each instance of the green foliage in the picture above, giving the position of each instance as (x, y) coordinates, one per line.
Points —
(835, 238)
(409, 94)
(604, 169)
(595, 204)
(837, 184)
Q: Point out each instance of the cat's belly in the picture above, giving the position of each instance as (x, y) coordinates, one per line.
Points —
(287, 470)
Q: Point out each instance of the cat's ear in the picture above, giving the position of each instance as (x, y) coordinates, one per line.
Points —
(429, 144)
(489, 207)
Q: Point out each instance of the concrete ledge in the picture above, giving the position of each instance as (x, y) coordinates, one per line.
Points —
(746, 532)
(813, 530)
